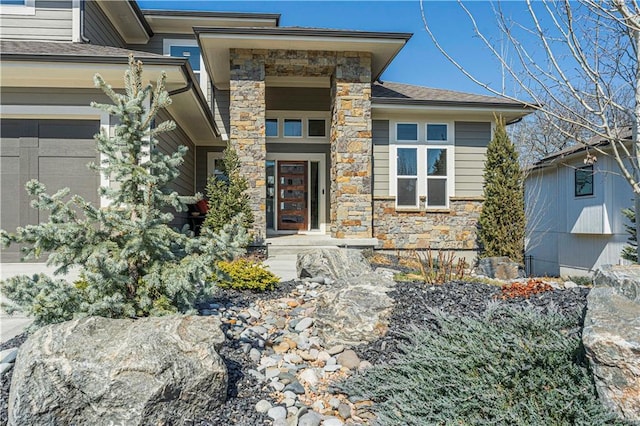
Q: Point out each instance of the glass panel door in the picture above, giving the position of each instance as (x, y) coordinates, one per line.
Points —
(292, 195)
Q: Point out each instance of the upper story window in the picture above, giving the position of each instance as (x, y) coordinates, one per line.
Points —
(17, 7)
(407, 131)
(188, 48)
(293, 127)
(437, 133)
(271, 127)
(317, 128)
(583, 182)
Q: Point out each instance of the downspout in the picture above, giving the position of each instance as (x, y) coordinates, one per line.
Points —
(83, 37)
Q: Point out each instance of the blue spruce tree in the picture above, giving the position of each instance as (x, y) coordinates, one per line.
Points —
(132, 263)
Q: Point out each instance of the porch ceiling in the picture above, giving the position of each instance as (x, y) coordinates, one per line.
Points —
(215, 44)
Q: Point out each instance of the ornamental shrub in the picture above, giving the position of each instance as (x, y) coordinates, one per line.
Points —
(246, 274)
(502, 220)
(630, 252)
(131, 261)
(510, 367)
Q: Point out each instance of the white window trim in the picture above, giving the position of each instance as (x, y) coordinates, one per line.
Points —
(406, 140)
(167, 43)
(422, 174)
(316, 119)
(28, 8)
(449, 139)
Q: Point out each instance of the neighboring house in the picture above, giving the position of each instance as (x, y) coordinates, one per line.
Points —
(326, 146)
(574, 212)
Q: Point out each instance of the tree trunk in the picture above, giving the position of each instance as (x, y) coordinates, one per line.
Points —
(635, 133)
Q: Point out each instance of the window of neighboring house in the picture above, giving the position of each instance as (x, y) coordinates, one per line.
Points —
(437, 177)
(293, 127)
(316, 128)
(17, 7)
(584, 181)
(407, 177)
(271, 127)
(437, 133)
(406, 131)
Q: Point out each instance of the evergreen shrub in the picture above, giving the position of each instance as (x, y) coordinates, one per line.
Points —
(510, 367)
(246, 274)
(132, 262)
(630, 252)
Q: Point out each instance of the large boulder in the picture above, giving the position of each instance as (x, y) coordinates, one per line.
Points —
(501, 268)
(611, 338)
(99, 371)
(334, 263)
(354, 310)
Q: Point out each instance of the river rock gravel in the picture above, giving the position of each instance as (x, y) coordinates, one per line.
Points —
(277, 367)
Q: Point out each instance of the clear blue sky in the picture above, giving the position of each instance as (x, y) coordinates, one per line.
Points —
(419, 62)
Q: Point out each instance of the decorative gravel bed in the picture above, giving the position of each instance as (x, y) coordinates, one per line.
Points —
(412, 303)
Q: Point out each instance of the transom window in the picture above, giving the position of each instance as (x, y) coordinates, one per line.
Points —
(316, 128)
(407, 131)
(437, 132)
(293, 127)
(271, 127)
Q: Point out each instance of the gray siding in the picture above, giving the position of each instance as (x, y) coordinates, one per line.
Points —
(471, 140)
(56, 152)
(98, 28)
(380, 134)
(298, 99)
(221, 110)
(155, 44)
(169, 143)
(52, 22)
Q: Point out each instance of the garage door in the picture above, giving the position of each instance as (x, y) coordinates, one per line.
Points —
(55, 152)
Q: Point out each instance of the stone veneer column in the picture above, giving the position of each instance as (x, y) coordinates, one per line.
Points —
(247, 112)
(351, 147)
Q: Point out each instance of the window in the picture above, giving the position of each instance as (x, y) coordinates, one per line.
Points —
(317, 128)
(190, 52)
(407, 131)
(293, 128)
(271, 127)
(13, 2)
(437, 177)
(18, 7)
(407, 173)
(436, 132)
(188, 48)
(584, 181)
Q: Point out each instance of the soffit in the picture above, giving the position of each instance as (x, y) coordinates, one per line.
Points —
(127, 19)
(215, 44)
(170, 22)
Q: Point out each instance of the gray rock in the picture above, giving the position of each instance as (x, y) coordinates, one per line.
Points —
(310, 419)
(349, 359)
(334, 402)
(332, 421)
(501, 268)
(354, 310)
(263, 406)
(334, 350)
(277, 412)
(103, 371)
(331, 263)
(4, 367)
(387, 272)
(344, 410)
(309, 376)
(277, 386)
(303, 324)
(8, 355)
(570, 284)
(611, 338)
(332, 368)
(295, 387)
(255, 355)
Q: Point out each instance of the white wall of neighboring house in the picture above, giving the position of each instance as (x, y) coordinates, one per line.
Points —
(569, 235)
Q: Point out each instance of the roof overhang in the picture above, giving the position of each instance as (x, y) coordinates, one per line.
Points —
(510, 112)
(182, 22)
(215, 44)
(128, 19)
(188, 108)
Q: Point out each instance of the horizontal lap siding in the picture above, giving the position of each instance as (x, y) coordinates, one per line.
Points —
(471, 140)
(169, 142)
(380, 135)
(52, 22)
(98, 28)
(155, 44)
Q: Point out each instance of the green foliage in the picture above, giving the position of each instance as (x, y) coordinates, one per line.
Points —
(132, 262)
(227, 196)
(630, 252)
(246, 274)
(508, 368)
(502, 221)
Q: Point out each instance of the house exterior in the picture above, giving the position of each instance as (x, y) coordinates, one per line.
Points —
(326, 146)
(574, 213)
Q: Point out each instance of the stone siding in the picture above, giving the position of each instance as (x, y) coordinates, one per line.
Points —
(449, 229)
(351, 147)
(247, 112)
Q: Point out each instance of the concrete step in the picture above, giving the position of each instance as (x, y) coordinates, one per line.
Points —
(293, 244)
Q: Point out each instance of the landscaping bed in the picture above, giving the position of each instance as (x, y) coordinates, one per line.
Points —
(413, 301)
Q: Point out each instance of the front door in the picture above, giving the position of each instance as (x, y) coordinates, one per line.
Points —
(292, 195)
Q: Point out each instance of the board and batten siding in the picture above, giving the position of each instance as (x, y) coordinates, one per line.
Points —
(52, 21)
(471, 140)
(380, 136)
(98, 27)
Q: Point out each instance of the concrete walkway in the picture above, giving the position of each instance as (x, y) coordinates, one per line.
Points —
(283, 265)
